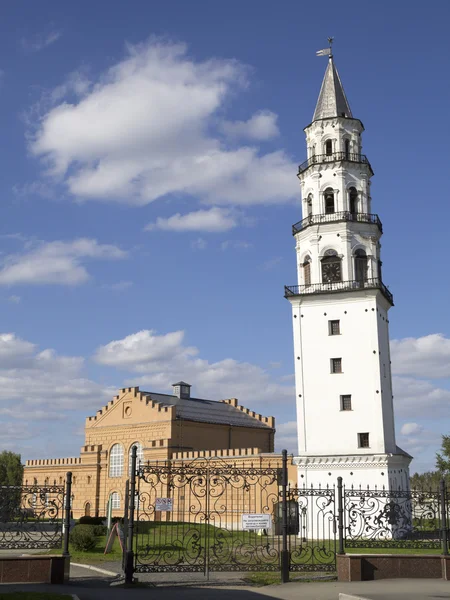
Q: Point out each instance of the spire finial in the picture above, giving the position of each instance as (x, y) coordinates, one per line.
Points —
(330, 42)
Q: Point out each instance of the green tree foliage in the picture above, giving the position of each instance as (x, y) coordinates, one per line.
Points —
(431, 479)
(443, 459)
(11, 468)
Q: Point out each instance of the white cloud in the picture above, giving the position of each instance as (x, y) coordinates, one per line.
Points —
(261, 126)
(40, 41)
(427, 356)
(57, 262)
(236, 245)
(148, 127)
(15, 299)
(212, 220)
(199, 244)
(411, 429)
(415, 398)
(162, 359)
(286, 437)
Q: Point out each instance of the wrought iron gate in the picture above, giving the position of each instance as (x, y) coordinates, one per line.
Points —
(207, 525)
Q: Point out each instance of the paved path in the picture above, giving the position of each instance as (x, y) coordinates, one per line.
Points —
(388, 589)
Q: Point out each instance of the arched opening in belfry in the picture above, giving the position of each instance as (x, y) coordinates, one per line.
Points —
(353, 200)
(361, 266)
(309, 202)
(347, 148)
(329, 201)
(307, 270)
(329, 147)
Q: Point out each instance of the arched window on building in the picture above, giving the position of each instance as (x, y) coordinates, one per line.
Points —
(329, 201)
(360, 266)
(139, 456)
(329, 147)
(60, 481)
(35, 481)
(89, 479)
(331, 267)
(87, 509)
(116, 461)
(309, 203)
(353, 200)
(115, 500)
(307, 270)
(347, 148)
(46, 481)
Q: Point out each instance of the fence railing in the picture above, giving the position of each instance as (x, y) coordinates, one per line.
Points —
(343, 215)
(333, 157)
(338, 286)
(32, 517)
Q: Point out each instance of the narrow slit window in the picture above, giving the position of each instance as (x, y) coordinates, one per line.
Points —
(336, 365)
(334, 328)
(363, 440)
(329, 147)
(346, 402)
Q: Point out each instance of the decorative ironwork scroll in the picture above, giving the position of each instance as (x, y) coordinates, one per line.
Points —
(31, 517)
(204, 530)
(392, 519)
(313, 546)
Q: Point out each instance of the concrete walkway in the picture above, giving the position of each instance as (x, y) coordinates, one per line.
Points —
(388, 589)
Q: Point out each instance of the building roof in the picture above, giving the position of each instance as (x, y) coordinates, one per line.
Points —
(332, 100)
(207, 411)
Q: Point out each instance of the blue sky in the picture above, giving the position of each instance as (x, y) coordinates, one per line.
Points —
(149, 187)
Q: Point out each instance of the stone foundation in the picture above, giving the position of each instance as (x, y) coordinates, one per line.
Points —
(34, 569)
(366, 567)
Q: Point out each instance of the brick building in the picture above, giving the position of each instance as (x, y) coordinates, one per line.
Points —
(161, 426)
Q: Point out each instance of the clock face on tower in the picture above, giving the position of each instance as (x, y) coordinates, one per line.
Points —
(331, 271)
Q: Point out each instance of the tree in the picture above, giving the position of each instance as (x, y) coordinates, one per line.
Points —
(443, 459)
(11, 468)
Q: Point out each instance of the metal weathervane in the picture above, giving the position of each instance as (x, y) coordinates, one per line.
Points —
(326, 51)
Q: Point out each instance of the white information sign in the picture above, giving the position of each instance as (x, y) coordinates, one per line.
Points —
(165, 504)
(256, 521)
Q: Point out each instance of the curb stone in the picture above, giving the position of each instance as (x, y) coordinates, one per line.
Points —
(91, 568)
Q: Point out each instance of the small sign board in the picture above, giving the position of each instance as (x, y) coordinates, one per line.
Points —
(116, 531)
(256, 521)
(164, 504)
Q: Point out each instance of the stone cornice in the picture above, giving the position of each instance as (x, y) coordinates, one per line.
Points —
(361, 461)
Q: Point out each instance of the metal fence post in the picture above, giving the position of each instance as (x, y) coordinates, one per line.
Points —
(129, 565)
(444, 517)
(125, 523)
(284, 520)
(67, 513)
(340, 516)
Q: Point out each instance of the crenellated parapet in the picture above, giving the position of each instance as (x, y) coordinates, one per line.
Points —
(226, 453)
(53, 462)
(269, 421)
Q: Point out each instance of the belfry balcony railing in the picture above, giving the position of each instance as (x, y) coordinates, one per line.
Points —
(344, 215)
(318, 159)
(338, 286)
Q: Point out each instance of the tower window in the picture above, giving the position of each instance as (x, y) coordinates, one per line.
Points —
(329, 201)
(334, 328)
(329, 147)
(336, 365)
(363, 440)
(353, 200)
(346, 402)
(307, 271)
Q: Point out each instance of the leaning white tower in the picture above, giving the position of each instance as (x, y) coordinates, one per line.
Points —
(340, 311)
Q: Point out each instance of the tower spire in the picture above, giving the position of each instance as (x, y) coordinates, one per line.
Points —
(332, 100)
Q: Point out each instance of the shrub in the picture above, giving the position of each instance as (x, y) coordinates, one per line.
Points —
(83, 538)
(99, 530)
(91, 520)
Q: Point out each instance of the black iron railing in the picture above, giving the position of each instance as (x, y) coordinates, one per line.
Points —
(318, 159)
(338, 286)
(344, 215)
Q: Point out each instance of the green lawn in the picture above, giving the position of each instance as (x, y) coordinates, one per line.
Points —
(392, 551)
